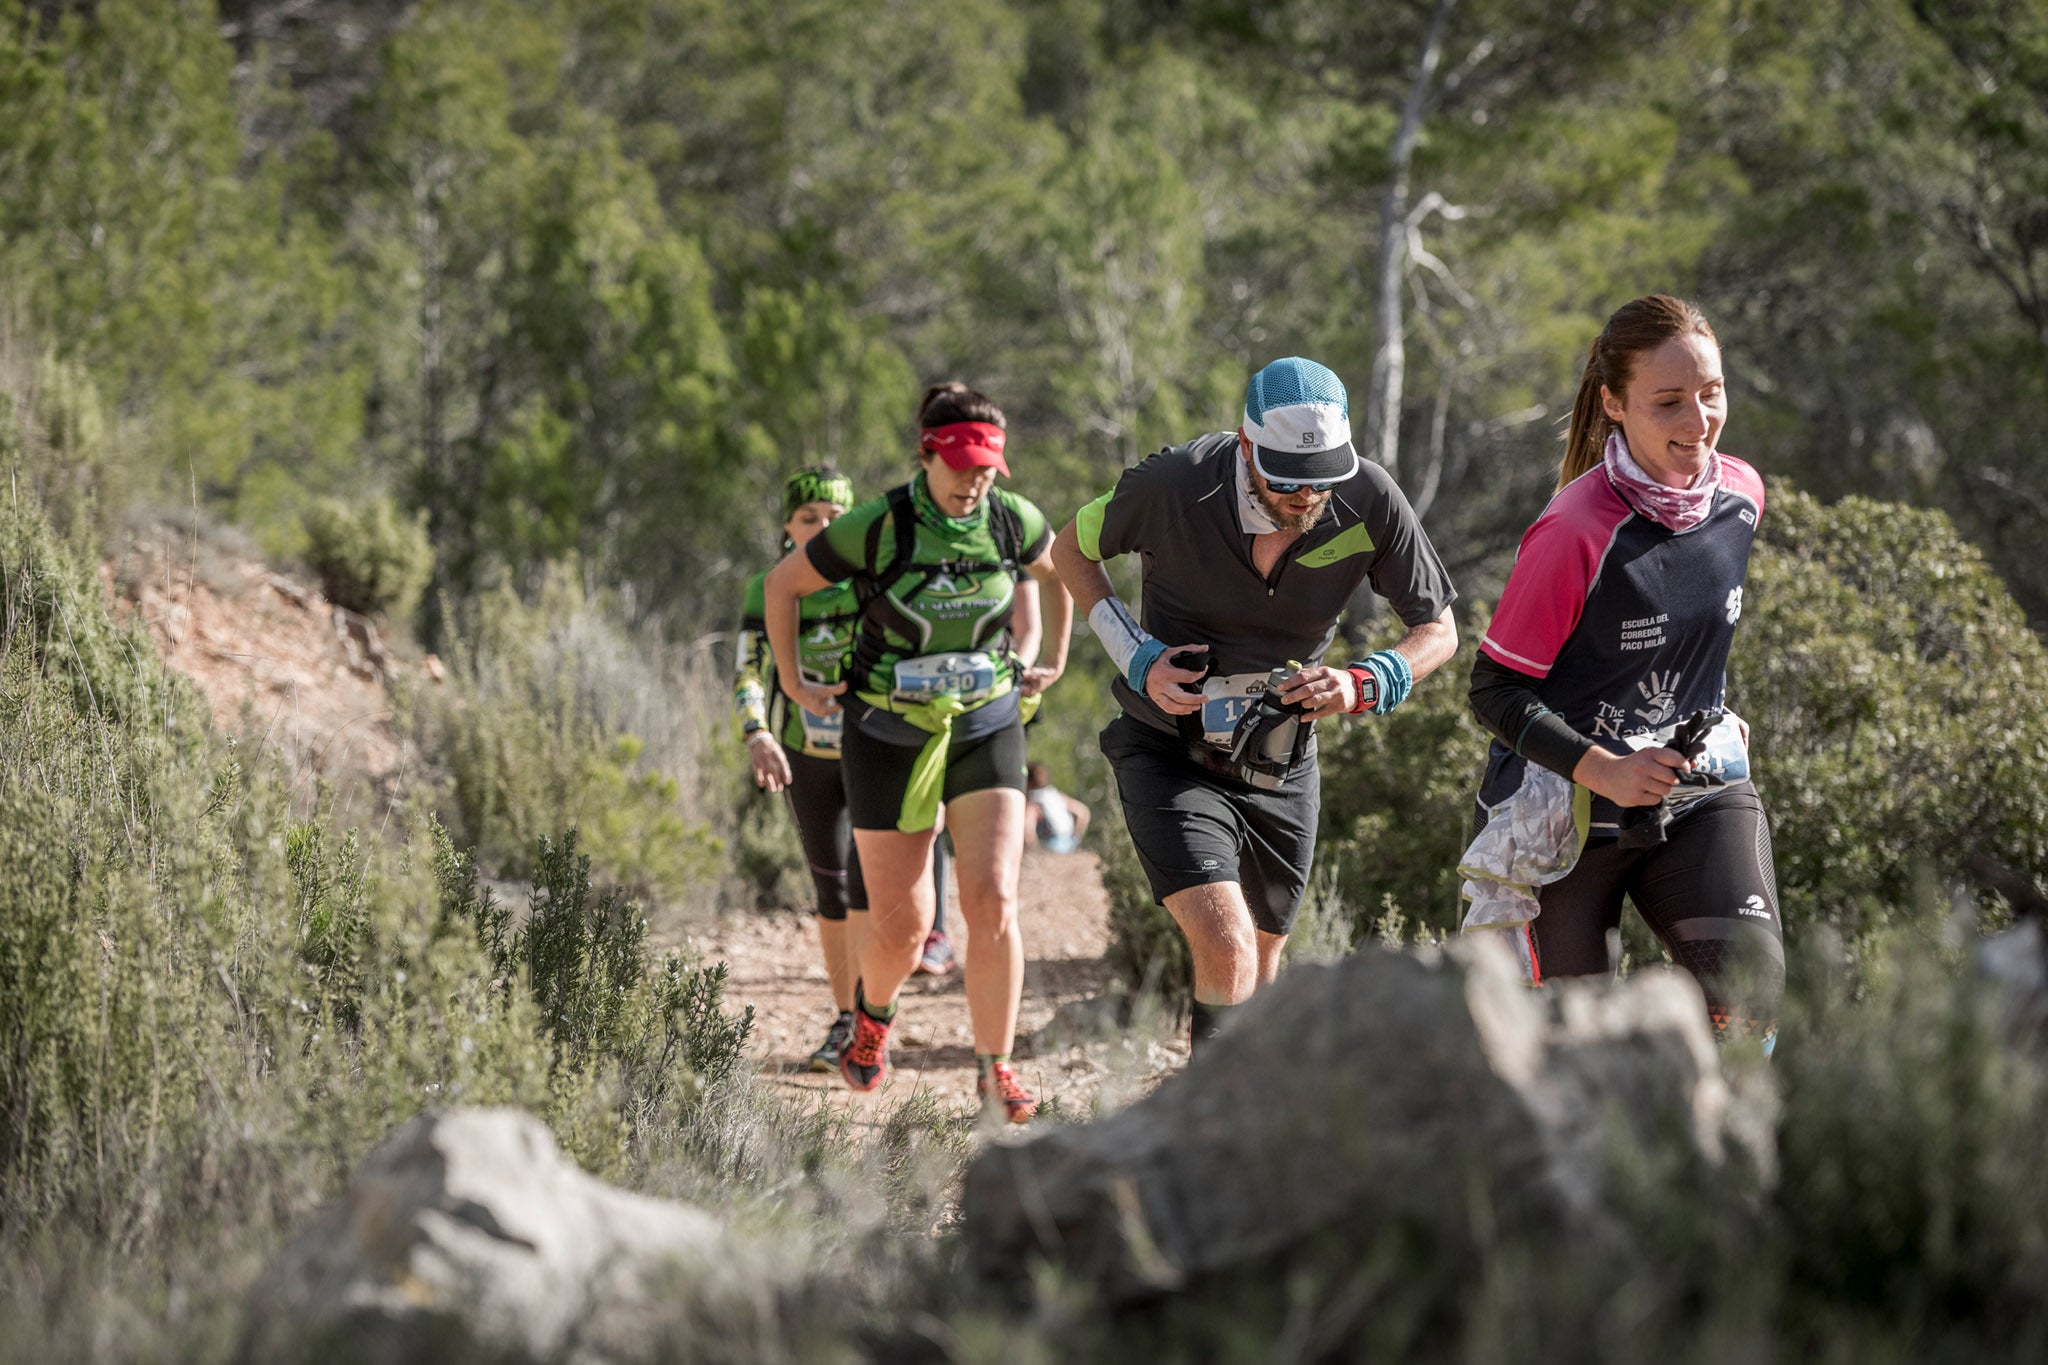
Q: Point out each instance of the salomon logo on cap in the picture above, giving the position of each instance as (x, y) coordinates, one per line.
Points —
(1298, 419)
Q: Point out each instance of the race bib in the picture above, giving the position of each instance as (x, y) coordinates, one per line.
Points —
(821, 733)
(969, 676)
(1225, 699)
(1726, 758)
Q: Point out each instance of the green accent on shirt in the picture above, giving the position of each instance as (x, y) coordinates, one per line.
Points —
(957, 612)
(1088, 526)
(1354, 541)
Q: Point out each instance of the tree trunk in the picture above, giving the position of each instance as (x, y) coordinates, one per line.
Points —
(1389, 357)
(429, 183)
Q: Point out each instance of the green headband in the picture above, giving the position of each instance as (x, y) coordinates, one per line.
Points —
(818, 484)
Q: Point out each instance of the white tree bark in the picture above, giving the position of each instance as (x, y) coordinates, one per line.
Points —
(1390, 359)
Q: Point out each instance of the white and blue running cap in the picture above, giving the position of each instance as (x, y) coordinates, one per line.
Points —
(1299, 422)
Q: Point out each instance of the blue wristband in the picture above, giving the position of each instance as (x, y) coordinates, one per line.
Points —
(1141, 664)
(1394, 678)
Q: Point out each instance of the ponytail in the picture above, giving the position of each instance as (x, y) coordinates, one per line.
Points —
(1587, 440)
(1637, 326)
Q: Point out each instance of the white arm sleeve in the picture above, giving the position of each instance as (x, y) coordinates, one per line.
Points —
(1111, 621)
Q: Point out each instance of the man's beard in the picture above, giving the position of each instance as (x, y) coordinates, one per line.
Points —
(1271, 505)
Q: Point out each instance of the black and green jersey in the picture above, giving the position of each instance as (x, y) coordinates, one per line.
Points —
(1178, 511)
(935, 593)
(825, 627)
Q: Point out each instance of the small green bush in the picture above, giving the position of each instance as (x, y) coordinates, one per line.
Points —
(369, 557)
(551, 717)
(1146, 948)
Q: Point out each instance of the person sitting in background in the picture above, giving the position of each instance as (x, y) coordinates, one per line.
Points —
(1056, 820)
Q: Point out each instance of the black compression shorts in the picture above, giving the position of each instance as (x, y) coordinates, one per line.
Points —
(817, 801)
(1193, 827)
(877, 772)
(1709, 892)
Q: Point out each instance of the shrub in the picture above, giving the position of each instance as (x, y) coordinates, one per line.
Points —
(1895, 695)
(369, 557)
(209, 1011)
(554, 716)
(1146, 948)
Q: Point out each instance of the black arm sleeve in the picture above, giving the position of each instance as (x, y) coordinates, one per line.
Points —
(1506, 703)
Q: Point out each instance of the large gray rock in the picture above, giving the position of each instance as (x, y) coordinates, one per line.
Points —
(468, 1234)
(1388, 1093)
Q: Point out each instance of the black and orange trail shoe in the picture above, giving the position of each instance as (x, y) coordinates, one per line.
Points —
(864, 1061)
(998, 1084)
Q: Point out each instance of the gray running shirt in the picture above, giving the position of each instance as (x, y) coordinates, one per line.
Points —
(1178, 511)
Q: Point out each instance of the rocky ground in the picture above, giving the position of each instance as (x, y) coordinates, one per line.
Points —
(307, 682)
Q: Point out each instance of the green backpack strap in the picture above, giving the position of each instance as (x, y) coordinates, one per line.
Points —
(1006, 528)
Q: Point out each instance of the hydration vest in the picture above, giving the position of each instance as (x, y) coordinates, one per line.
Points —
(878, 609)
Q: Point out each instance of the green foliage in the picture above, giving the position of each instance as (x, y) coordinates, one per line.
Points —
(370, 558)
(532, 735)
(1894, 693)
(56, 433)
(1146, 948)
(209, 1010)
(1909, 1206)
(137, 238)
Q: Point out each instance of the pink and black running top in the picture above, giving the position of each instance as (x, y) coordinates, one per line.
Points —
(1622, 626)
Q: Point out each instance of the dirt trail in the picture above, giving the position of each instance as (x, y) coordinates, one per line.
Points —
(1069, 1048)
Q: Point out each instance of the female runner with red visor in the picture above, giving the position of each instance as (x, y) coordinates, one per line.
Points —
(1617, 767)
(935, 704)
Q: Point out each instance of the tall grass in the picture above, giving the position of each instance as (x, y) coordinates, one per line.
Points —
(556, 715)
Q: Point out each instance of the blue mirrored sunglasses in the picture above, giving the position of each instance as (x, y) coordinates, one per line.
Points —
(1289, 489)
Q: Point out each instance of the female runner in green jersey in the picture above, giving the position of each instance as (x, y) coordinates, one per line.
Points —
(799, 756)
(933, 703)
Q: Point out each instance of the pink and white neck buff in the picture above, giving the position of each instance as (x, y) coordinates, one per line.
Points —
(1675, 509)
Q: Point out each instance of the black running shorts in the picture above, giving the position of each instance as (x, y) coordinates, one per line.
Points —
(877, 773)
(1709, 893)
(1193, 827)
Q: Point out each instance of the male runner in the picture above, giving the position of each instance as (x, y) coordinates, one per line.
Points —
(1252, 542)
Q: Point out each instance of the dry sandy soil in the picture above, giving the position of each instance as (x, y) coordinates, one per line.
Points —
(1071, 1048)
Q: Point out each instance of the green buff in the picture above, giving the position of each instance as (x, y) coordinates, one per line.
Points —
(928, 511)
(817, 484)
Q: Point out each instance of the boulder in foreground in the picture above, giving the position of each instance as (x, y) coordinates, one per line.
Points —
(469, 1235)
(1415, 1099)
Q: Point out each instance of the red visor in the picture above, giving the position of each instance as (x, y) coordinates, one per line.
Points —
(964, 445)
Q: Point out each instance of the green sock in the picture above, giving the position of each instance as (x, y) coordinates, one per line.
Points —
(985, 1062)
(881, 1014)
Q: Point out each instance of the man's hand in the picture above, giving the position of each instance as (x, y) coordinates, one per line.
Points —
(1167, 685)
(1324, 691)
(770, 764)
(1641, 778)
